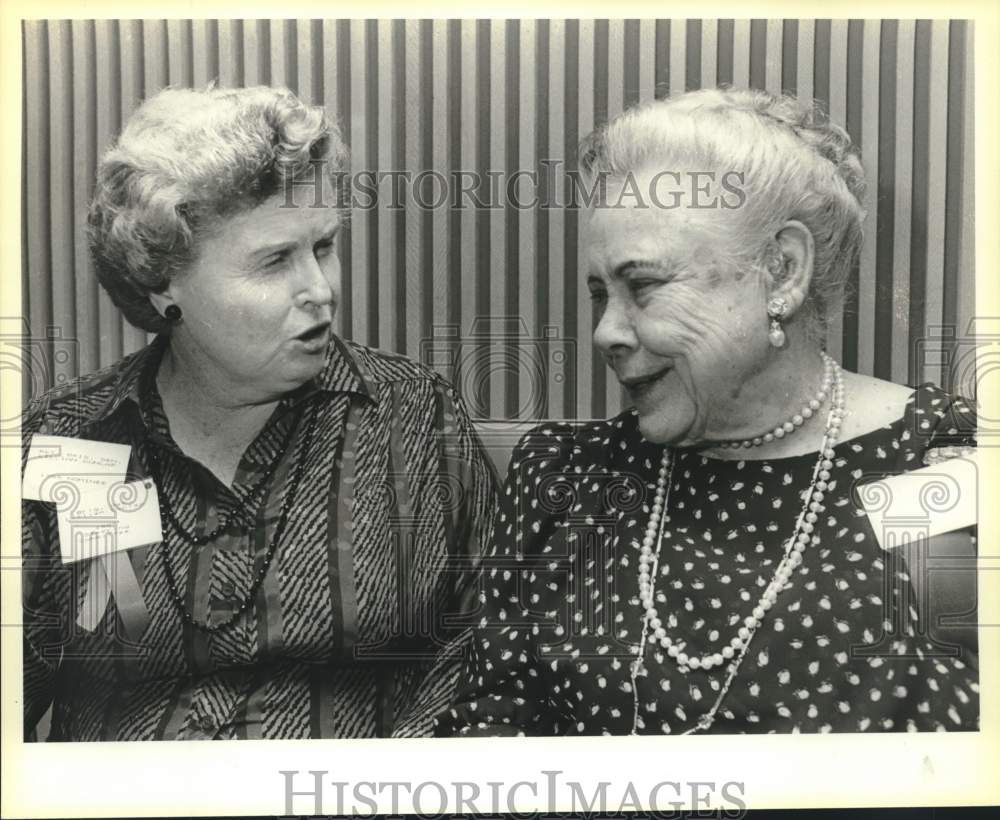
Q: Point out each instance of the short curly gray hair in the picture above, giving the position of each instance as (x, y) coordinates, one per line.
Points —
(186, 159)
(796, 164)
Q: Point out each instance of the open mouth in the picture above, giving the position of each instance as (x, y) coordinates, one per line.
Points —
(315, 335)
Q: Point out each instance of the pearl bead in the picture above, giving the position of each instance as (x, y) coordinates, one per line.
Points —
(803, 536)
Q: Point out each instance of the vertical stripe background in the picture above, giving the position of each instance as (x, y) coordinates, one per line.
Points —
(492, 295)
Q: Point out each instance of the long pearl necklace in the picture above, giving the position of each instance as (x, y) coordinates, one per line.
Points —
(653, 630)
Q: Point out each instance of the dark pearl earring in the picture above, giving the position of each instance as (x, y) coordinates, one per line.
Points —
(172, 313)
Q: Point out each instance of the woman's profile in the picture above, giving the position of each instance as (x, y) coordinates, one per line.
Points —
(700, 563)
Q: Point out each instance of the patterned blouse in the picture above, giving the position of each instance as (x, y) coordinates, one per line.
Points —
(346, 635)
(843, 648)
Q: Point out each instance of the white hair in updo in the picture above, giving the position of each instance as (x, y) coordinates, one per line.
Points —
(795, 163)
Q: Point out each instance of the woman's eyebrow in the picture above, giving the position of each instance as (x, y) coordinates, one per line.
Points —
(269, 248)
(622, 269)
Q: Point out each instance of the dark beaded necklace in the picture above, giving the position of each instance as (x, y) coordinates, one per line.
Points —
(291, 491)
(250, 501)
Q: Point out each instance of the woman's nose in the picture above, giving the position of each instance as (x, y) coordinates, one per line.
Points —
(614, 332)
(319, 282)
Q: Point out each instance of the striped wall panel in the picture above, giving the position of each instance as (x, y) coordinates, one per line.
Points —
(497, 291)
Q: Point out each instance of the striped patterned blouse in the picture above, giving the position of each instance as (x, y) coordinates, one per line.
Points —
(348, 634)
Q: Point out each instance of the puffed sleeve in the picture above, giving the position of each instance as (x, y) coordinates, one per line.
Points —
(467, 477)
(945, 426)
(502, 689)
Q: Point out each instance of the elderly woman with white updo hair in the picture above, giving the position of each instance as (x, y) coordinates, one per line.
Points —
(314, 494)
(701, 562)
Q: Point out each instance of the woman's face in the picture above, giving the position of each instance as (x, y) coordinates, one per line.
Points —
(683, 331)
(259, 300)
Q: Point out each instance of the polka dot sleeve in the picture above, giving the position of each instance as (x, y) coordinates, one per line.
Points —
(502, 692)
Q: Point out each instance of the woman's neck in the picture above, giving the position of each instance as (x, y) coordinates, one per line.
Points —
(210, 425)
(773, 397)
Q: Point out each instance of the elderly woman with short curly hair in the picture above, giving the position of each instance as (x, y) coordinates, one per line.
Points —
(701, 562)
(321, 502)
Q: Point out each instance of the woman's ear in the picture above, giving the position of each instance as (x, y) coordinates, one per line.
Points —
(795, 243)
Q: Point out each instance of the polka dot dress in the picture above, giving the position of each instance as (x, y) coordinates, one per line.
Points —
(842, 650)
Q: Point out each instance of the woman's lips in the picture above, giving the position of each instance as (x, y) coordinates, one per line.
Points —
(639, 388)
(315, 338)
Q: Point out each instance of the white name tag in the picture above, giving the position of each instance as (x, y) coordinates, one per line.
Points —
(55, 460)
(109, 519)
(923, 503)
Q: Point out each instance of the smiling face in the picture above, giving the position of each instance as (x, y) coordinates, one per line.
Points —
(259, 300)
(684, 330)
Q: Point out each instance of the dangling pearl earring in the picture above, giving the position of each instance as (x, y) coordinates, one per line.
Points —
(776, 309)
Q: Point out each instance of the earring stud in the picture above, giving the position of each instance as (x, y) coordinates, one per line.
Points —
(776, 310)
(172, 313)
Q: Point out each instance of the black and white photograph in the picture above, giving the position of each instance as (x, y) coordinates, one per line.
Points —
(417, 381)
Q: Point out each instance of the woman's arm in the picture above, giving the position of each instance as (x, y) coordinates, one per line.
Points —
(468, 483)
(44, 627)
(502, 687)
